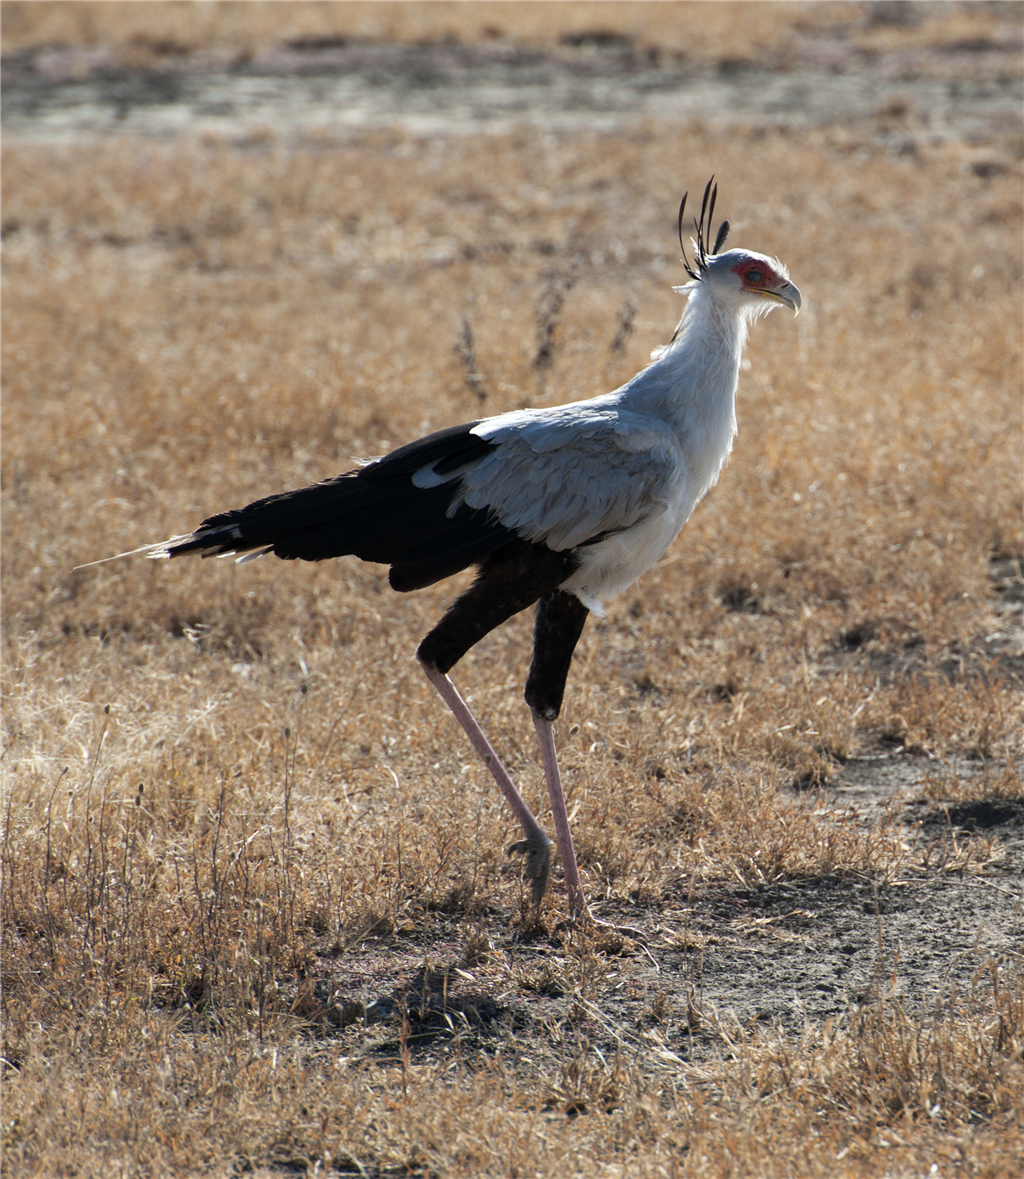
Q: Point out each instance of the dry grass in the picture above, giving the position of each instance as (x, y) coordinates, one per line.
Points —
(877, 1098)
(214, 774)
(159, 30)
(136, 35)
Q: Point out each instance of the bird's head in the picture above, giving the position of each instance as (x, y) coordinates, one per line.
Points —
(750, 283)
(743, 281)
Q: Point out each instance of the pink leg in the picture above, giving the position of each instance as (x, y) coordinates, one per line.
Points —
(573, 884)
(536, 845)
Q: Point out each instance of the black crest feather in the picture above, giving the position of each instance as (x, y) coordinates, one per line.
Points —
(703, 227)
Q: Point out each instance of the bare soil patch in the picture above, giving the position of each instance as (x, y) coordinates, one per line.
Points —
(777, 957)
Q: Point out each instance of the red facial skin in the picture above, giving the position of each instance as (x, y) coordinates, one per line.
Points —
(769, 278)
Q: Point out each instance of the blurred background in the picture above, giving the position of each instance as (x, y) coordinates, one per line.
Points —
(900, 71)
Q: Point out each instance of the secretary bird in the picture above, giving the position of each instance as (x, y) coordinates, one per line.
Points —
(562, 507)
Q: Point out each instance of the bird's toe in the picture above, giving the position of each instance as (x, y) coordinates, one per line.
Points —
(537, 866)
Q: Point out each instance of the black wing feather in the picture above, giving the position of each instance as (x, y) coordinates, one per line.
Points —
(375, 513)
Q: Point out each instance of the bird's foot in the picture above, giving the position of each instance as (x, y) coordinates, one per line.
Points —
(537, 866)
(584, 919)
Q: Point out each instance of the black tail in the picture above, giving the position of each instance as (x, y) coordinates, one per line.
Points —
(376, 513)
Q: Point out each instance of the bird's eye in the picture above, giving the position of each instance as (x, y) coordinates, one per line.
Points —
(754, 276)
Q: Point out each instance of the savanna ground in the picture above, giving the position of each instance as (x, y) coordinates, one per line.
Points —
(257, 915)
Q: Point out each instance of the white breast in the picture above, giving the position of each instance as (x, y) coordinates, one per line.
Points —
(612, 565)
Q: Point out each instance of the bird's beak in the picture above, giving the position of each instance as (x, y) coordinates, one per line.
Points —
(787, 294)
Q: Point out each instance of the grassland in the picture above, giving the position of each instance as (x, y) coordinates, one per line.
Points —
(141, 36)
(257, 916)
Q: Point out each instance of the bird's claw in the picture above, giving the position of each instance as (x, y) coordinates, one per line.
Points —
(537, 866)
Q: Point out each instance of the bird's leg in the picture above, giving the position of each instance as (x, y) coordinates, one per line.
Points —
(510, 580)
(573, 884)
(578, 908)
(535, 845)
(560, 620)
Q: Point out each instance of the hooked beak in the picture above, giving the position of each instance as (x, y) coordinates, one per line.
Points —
(787, 294)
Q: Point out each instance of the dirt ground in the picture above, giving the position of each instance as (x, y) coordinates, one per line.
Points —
(703, 962)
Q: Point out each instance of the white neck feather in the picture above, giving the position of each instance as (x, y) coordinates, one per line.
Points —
(691, 381)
